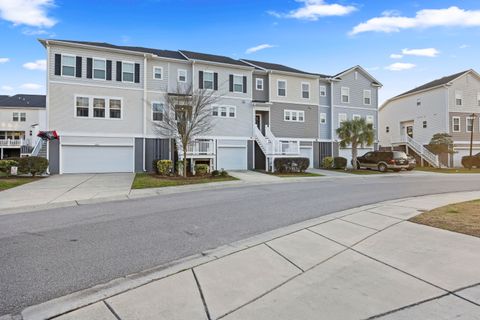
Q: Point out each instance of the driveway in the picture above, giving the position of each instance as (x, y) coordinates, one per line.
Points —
(253, 176)
(67, 187)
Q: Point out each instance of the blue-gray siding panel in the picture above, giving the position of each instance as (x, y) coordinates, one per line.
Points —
(325, 128)
(286, 129)
(356, 90)
(54, 156)
(156, 149)
(138, 154)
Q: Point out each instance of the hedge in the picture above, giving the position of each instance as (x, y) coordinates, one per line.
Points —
(327, 162)
(339, 163)
(286, 165)
(6, 165)
(201, 169)
(31, 165)
(164, 167)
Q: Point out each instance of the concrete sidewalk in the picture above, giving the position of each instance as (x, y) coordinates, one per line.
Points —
(361, 263)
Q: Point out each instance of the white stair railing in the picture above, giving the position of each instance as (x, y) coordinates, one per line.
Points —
(422, 151)
(264, 144)
(37, 148)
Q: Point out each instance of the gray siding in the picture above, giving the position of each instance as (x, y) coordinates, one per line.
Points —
(286, 129)
(463, 135)
(325, 128)
(263, 94)
(325, 100)
(250, 160)
(138, 155)
(54, 156)
(356, 90)
(156, 149)
(350, 112)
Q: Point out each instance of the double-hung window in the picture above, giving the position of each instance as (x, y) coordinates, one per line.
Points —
(182, 75)
(294, 115)
(306, 90)
(208, 80)
(345, 95)
(456, 124)
(157, 73)
(323, 118)
(68, 66)
(237, 83)
(282, 88)
(470, 124)
(323, 91)
(342, 117)
(157, 111)
(231, 112)
(458, 98)
(115, 108)
(23, 117)
(259, 84)
(369, 120)
(98, 107)
(356, 117)
(127, 71)
(99, 69)
(223, 112)
(82, 107)
(15, 117)
(367, 97)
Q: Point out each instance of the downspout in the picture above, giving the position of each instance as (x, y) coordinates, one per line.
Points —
(144, 109)
(331, 115)
(377, 127)
(47, 112)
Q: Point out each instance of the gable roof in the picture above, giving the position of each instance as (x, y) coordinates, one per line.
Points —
(24, 101)
(212, 58)
(161, 53)
(276, 67)
(2, 97)
(375, 81)
(434, 83)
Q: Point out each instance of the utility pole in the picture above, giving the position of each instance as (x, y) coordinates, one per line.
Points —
(471, 136)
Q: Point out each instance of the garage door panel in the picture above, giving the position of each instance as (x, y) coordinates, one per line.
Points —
(97, 159)
(232, 158)
(307, 153)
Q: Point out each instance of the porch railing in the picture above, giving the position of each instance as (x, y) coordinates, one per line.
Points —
(201, 147)
(12, 142)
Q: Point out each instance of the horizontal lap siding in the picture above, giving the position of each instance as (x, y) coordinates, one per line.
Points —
(294, 89)
(260, 95)
(463, 135)
(285, 129)
(325, 129)
(240, 126)
(356, 90)
(470, 87)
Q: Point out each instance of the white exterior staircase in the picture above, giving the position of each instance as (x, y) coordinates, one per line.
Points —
(423, 152)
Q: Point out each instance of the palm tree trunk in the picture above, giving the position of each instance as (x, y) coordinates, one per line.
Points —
(354, 155)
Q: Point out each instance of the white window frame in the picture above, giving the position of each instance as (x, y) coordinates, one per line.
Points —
(153, 112)
(346, 95)
(87, 107)
(323, 91)
(104, 70)
(107, 102)
(458, 96)
(90, 107)
(228, 108)
(308, 90)
(342, 117)
(133, 72)
(236, 77)
(23, 115)
(367, 94)
(278, 87)
(370, 120)
(74, 65)
(356, 117)
(213, 80)
(257, 82)
(466, 124)
(293, 113)
(178, 75)
(17, 116)
(155, 68)
(459, 124)
(323, 118)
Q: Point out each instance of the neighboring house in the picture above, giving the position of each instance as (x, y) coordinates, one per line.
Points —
(22, 116)
(444, 105)
(104, 100)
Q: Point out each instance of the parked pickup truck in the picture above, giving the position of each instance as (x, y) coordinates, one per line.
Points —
(384, 161)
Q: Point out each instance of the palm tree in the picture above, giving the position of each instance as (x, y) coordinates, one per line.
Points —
(355, 132)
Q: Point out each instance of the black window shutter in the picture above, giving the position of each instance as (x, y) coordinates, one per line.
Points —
(58, 64)
(230, 82)
(244, 84)
(137, 72)
(119, 70)
(215, 81)
(78, 67)
(109, 69)
(89, 68)
(200, 79)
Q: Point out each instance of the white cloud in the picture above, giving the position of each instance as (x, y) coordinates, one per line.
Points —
(36, 65)
(464, 46)
(31, 86)
(6, 88)
(258, 48)
(27, 12)
(34, 32)
(428, 52)
(4, 60)
(315, 9)
(427, 18)
(396, 56)
(400, 66)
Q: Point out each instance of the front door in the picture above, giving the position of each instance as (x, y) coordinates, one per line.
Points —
(258, 121)
(409, 131)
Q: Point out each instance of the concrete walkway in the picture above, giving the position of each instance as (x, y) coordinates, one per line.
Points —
(361, 263)
(253, 176)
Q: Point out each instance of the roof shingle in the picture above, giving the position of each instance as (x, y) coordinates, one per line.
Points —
(278, 67)
(213, 58)
(24, 101)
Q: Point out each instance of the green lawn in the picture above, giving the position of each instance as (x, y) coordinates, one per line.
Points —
(448, 170)
(12, 182)
(148, 180)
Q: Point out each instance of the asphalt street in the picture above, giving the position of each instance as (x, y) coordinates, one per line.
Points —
(47, 254)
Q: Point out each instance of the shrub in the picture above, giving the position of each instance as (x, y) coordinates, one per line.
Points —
(164, 167)
(215, 173)
(286, 165)
(31, 165)
(223, 173)
(201, 169)
(327, 162)
(339, 163)
(6, 165)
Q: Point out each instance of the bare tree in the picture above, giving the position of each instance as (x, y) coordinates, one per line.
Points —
(187, 113)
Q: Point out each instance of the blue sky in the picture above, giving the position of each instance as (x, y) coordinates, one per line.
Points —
(401, 43)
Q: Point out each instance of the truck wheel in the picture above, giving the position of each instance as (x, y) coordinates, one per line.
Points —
(382, 167)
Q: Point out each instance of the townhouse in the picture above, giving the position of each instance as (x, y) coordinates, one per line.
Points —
(22, 116)
(105, 101)
(447, 105)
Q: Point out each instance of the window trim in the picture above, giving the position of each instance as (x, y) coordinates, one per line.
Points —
(133, 72)
(241, 82)
(340, 122)
(278, 87)
(24, 117)
(370, 122)
(257, 80)
(291, 112)
(301, 89)
(365, 97)
(342, 95)
(466, 124)
(324, 90)
(213, 80)
(154, 73)
(93, 69)
(458, 93)
(323, 117)
(356, 116)
(18, 116)
(459, 124)
(74, 65)
(90, 107)
(228, 107)
(178, 75)
(152, 112)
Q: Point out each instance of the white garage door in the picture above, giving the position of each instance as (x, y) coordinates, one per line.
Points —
(97, 159)
(307, 153)
(347, 153)
(232, 158)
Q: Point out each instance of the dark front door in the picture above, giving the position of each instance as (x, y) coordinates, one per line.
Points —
(409, 130)
(258, 121)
